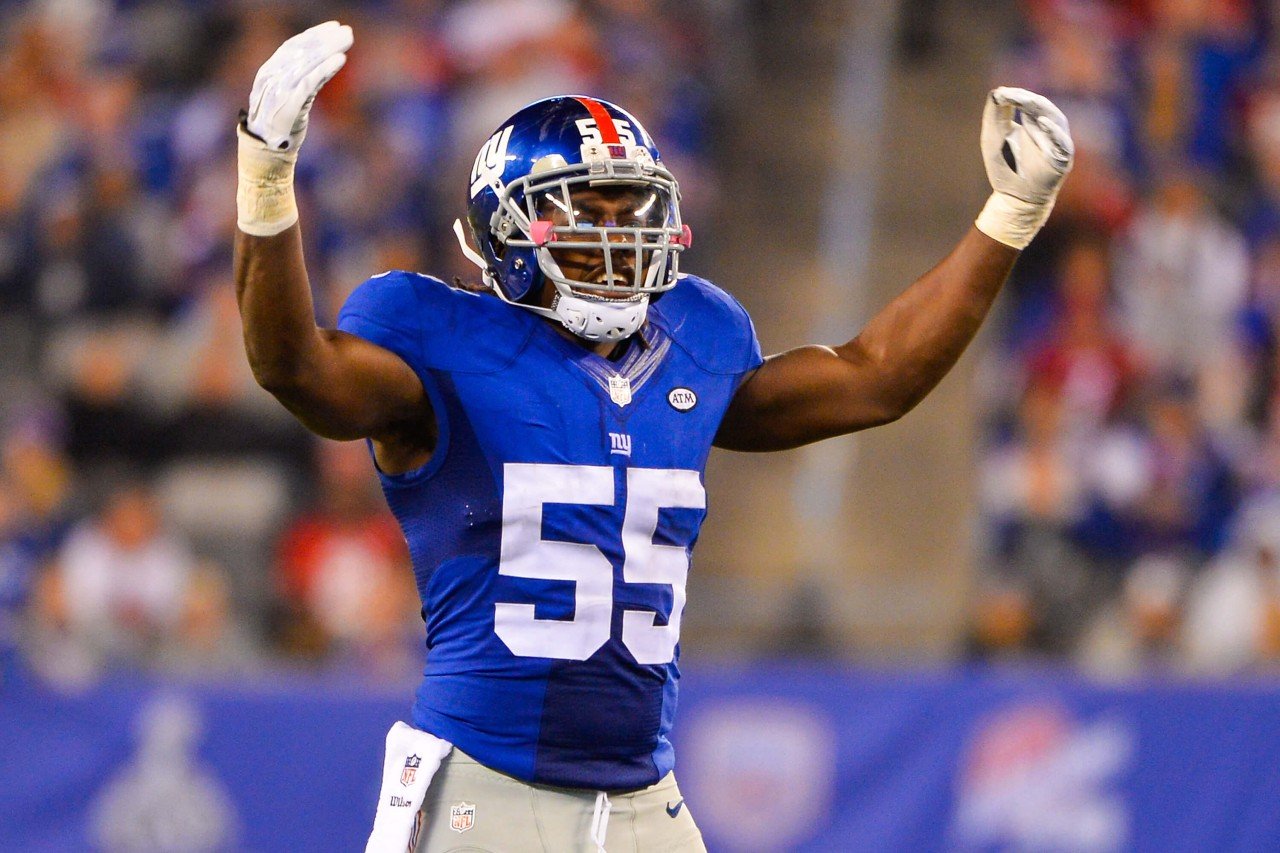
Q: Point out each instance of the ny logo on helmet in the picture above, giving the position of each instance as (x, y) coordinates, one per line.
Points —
(491, 161)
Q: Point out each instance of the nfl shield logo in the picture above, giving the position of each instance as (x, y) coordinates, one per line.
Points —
(462, 816)
(410, 770)
(620, 390)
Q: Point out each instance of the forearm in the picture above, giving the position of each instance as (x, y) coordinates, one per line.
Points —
(339, 385)
(913, 342)
(276, 309)
(916, 339)
(816, 392)
(281, 338)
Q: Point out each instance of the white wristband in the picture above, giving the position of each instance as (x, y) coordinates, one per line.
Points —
(265, 205)
(1012, 221)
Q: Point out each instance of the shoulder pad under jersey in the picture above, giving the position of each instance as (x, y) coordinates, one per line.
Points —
(434, 326)
(710, 325)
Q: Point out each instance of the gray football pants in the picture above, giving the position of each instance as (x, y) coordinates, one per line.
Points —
(499, 814)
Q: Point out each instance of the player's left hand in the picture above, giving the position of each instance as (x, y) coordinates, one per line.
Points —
(1028, 151)
(288, 82)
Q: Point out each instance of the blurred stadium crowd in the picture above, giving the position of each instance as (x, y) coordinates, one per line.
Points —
(1130, 482)
(156, 508)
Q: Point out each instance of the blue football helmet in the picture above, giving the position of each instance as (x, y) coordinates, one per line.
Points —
(522, 202)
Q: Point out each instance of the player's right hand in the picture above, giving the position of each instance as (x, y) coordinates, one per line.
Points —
(288, 82)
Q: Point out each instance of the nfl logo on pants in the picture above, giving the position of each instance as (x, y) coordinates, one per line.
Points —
(462, 816)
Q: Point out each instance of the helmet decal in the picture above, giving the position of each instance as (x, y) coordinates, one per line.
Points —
(604, 129)
(491, 161)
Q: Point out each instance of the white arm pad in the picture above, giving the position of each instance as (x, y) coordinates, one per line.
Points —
(1028, 151)
(1011, 220)
(265, 203)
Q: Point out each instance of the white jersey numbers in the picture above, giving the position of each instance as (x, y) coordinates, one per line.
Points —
(525, 554)
(649, 490)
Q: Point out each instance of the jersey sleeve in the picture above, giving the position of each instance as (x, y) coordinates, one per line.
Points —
(752, 357)
(433, 326)
(395, 310)
(712, 326)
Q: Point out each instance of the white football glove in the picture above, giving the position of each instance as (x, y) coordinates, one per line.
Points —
(1027, 147)
(288, 82)
(276, 123)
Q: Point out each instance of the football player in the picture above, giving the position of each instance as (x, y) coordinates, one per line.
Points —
(543, 444)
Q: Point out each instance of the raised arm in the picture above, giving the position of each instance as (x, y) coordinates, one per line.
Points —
(816, 392)
(338, 385)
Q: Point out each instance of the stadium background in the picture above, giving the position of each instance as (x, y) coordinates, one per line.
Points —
(1041, 612)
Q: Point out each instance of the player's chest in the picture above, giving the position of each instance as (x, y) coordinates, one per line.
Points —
(656, 411)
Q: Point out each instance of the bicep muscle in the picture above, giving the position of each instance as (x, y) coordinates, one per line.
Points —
(353, 388)
(805, 395)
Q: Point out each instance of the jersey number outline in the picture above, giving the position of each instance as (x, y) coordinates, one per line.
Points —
(525, 554)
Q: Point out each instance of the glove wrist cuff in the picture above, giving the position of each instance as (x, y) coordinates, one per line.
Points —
(265, 203)
(1012, 221)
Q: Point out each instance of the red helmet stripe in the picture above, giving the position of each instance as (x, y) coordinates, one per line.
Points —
(604, 121)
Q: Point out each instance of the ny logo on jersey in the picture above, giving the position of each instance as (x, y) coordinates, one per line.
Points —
(620, 443)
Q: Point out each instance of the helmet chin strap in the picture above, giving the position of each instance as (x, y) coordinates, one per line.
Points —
(599, 319)
(475, 257)
(587, 317)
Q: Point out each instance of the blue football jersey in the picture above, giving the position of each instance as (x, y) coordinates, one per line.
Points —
(551, 530)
